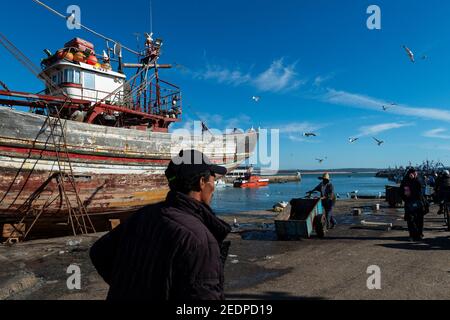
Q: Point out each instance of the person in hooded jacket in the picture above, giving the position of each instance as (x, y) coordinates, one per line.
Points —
(442, 190)
(415, 204)
(173, 250)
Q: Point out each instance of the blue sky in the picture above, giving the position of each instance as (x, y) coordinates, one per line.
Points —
(315, 65)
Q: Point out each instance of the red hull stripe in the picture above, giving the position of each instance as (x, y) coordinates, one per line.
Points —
(81, 156)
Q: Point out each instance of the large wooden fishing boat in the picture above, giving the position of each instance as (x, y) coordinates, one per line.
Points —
(95, 138)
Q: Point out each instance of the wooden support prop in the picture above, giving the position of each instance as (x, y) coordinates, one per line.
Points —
(14, 230)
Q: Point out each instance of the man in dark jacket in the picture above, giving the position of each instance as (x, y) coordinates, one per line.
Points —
(173, 250)
(328, 196)
(442, 189)
(415, 206)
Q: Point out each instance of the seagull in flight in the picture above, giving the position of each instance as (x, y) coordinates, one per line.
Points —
(409, 53)
(309, 134)
(385, 108)
(321, 160)
(379, 142)
(256, 98)
(353, 140)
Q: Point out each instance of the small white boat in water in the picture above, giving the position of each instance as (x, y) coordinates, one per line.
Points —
(222, 184)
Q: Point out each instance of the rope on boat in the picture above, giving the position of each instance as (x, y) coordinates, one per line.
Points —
(85, 28)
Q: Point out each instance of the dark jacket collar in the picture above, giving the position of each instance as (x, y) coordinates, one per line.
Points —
(220, 229)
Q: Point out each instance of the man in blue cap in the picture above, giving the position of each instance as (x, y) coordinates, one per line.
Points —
(173, 250)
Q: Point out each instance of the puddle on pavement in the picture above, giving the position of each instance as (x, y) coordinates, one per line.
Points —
(242, 227)
(259, 235)
(350, 219)
(256, 231)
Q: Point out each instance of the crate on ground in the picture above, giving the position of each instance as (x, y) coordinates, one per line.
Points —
(299, 219)
(393, 196)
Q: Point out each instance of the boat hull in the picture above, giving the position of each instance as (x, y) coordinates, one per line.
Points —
(252, 183)
(115, 169)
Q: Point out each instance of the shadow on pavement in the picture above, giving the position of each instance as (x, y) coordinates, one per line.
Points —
(439, 243)
(270, 296)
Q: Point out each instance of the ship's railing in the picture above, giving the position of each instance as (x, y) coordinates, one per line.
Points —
(160, 98)
(163, 101)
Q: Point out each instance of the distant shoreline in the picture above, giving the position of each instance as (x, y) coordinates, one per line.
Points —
(311, 173)
(337, 172)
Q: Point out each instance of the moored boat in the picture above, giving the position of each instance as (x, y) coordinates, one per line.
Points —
(251, 182)
(107, 134)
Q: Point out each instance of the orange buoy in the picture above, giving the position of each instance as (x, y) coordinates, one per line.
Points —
(79, 57)
(64, 55)
(69, 56)
(92, 60)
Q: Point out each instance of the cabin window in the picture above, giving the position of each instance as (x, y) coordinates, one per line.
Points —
(71, 76)
(56, 78)
(68, 76)
(89, 80)
(77, 77)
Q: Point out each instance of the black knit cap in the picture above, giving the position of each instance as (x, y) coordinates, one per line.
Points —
(189, 163)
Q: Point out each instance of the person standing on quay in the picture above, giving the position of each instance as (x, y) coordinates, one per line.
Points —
(415, 206)
(173, 250)
(328, 196)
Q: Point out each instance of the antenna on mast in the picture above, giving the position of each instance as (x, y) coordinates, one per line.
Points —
(151, 17)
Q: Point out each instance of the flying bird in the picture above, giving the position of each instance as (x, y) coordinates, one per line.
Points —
(385, 108)
(309, 134)
(71, 18)
(379, 142)
(321, 160)
(353, 140)
(409, 53)
(256, 98)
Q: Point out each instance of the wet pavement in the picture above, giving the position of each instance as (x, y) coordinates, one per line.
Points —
(261, 267)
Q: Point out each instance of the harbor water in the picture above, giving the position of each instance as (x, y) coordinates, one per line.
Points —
(232, 200)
